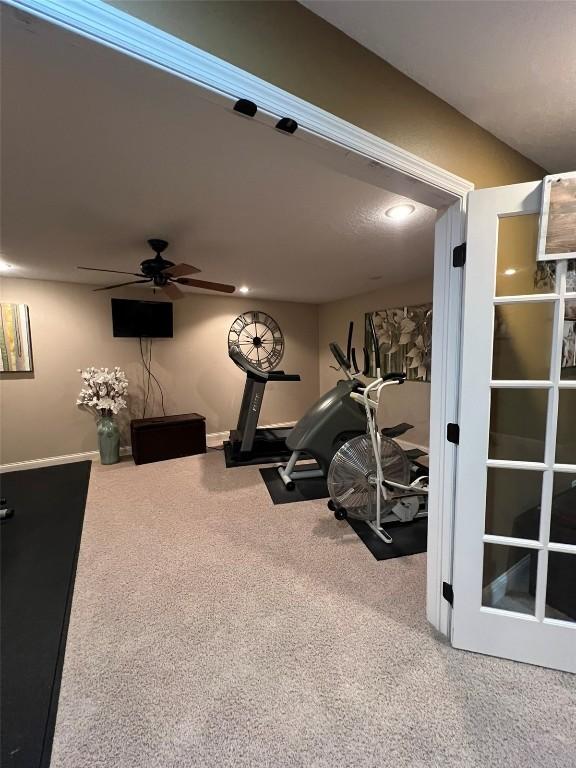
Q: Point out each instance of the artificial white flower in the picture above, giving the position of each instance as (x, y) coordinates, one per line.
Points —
(103, 390)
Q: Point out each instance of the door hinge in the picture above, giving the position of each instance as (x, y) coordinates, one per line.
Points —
(453, 433)
(448, 592)
(459, 255)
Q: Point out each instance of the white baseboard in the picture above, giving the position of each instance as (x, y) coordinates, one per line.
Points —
(515, 579)
(213, 440)
(51, 461)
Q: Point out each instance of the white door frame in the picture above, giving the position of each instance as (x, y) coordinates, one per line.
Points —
(357, 152)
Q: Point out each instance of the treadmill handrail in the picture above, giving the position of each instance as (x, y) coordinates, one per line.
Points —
(255, 373)
(281, 376)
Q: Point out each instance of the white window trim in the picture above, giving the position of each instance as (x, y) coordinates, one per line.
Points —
(402, 172)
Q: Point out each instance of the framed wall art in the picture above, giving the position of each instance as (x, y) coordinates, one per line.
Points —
(405, 339)
(557, 233)
(15, 343)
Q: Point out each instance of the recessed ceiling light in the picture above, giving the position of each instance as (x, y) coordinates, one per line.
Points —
(510, 271)
(399, 212)
(243, 289)
(4, 266)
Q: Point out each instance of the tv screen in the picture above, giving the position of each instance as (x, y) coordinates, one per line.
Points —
(146, 319)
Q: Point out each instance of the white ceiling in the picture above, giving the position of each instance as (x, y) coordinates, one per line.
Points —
(509, 65)
(101, 152)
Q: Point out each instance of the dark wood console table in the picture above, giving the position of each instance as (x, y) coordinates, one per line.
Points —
(167, 437)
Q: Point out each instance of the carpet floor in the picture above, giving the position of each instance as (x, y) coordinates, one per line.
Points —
(211, 628)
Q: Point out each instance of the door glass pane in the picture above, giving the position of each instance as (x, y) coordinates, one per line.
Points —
(509, 578)
(571, 277)
(513, 499)
(563, 527)
(566, 429)
(517, 271)
(522, 340)
(518, 424)
(561, 587)
(569, 341)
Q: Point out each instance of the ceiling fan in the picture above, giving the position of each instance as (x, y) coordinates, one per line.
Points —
(164, 274)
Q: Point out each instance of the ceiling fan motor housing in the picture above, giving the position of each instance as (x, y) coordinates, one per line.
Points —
(154, 267)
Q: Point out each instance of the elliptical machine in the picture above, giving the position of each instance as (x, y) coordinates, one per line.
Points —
(370, 477)
(328, 424)
(336, 418)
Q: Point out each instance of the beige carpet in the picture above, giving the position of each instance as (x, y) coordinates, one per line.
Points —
(210, 628)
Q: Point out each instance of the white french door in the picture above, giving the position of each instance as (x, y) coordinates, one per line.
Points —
(514, 575)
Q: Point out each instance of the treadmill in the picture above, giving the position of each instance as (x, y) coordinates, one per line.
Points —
(248, 443)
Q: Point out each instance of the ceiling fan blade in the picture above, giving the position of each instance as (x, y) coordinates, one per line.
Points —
(222, 287)
(179, 270)
(172, 291)
(120, 285)
(117, 271)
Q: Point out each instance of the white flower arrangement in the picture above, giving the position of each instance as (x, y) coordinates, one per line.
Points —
(103, 390)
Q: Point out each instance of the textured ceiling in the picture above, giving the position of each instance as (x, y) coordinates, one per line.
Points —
(509, 65)
(101, 152)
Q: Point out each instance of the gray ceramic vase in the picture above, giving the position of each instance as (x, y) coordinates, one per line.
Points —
(108, 440)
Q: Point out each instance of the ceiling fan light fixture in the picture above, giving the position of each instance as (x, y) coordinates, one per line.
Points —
(244, 289)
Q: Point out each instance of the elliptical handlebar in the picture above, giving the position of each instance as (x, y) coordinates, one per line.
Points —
(348, 363)
(341, 359)
(400, 378)
(364, 397)
(375, 345)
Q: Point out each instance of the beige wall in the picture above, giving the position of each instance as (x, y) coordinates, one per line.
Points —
(409, 402)
(289, 46)
(71, 329)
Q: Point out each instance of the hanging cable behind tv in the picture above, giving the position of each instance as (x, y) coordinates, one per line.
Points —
(150, 375)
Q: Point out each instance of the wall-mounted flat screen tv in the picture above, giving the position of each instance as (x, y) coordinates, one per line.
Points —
(142, 319)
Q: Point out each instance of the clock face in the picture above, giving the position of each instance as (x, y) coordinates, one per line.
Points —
(259, 339)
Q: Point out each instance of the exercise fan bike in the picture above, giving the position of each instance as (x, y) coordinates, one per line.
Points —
(370, 476)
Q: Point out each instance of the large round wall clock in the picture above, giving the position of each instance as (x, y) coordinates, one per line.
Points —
(259, 339)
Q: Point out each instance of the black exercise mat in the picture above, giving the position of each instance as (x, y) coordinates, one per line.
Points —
(231, 461)
(306, 489)
(39, 547)
(409, 538)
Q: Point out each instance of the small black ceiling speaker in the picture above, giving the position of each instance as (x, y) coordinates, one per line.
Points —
(287, 125)
(246, 107)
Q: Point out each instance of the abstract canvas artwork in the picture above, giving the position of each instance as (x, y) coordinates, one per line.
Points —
(15, 346)
(557, 238)
(405, 340)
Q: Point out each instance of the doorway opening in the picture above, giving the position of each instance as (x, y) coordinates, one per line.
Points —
(343, 152)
